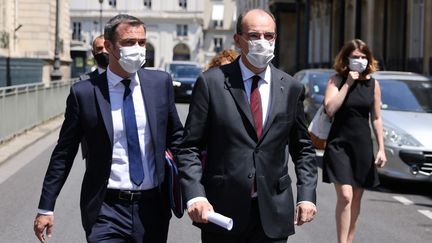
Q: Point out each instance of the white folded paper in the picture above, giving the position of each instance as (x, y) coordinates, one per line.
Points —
(220, 220)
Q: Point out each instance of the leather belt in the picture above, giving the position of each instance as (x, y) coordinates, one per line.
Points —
(130, 195)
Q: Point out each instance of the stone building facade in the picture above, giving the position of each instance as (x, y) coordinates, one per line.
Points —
(311, 32)
(27, 40)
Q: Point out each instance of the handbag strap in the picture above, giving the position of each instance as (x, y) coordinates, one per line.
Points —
(342, 82)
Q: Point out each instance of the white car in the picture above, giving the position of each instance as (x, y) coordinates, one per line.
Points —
(407, 119)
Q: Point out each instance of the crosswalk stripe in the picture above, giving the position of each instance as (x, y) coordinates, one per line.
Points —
(403, 200)
(426, 213)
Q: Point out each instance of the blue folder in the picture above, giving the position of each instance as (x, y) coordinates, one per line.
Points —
(174, 189)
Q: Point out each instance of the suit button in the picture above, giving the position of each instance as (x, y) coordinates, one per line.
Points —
(250, 176)
(256, 151)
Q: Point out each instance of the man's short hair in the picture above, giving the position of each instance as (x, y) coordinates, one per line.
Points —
(239, 29)
(111, 25)
(94, 41)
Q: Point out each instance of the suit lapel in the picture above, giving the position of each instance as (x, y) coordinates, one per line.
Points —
(103, 100)
(150, 98)
(276, 93)
(234, 83)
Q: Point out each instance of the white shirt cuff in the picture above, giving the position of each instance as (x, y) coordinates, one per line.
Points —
(45, 212)
(196, 199)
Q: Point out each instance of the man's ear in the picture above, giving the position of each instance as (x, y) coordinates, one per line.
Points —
(236, 38)
(108, 46)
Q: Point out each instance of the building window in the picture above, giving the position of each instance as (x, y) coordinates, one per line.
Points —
(112, 3)
(182, 30)
(183, 4)
(217, 24)
(217, 15)
(218, 44)
(147, 3)
(76, 34)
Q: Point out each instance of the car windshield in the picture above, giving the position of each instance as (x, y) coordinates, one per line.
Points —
(318, 82)
(186, 72)
(406, 95)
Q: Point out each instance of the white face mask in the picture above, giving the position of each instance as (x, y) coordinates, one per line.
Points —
(260, 52)
(357, 64)
(132, 58)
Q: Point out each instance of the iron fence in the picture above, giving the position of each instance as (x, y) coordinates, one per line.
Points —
(25, 106)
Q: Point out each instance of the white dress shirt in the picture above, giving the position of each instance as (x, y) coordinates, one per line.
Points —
(101, 70)
(119, 177)
(263, 86)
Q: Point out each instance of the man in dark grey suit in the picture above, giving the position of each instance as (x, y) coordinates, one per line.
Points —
(128, 117)
(100, 56)
(245, 114)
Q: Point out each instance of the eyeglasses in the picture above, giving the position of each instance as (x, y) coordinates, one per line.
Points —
(256, 36)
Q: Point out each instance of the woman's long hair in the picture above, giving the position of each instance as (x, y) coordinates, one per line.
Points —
(341, 62)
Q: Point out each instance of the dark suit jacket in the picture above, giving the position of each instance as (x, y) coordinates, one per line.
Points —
(88, 115)
(89, 75)
(220, 120)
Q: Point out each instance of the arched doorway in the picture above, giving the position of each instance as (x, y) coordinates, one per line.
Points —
(181, 52)
(150, 55)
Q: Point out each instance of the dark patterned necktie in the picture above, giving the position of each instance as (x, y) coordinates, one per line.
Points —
(255, 104)
(136, 171)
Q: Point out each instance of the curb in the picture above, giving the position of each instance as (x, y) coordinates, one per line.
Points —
(27, 138)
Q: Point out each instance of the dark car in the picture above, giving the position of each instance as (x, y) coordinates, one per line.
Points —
(184, 79)
(315, 82)
(171, 66)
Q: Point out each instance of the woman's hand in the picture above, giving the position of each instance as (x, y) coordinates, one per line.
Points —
(380, 159)
(352, 77)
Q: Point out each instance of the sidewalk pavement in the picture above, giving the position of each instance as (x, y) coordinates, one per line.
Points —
(22, 141)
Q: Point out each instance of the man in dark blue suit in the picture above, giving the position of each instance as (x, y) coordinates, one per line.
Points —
(128, 118)
(100, 56)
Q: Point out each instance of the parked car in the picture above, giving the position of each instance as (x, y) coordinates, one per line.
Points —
(184, 79)
(171, 66)
(184, 75)
(315, 82)
(407, 118)
(154, 68)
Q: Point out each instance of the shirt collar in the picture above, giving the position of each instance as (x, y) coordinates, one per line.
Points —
(101, 70)
(248, 74)
(114, 79)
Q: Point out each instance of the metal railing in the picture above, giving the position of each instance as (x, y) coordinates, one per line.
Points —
(25, 106)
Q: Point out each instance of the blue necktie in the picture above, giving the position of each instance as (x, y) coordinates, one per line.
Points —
(136, 171)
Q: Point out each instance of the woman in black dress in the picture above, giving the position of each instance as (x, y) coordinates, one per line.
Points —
(352, 98)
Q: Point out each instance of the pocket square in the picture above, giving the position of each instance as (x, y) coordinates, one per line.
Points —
(174, 189)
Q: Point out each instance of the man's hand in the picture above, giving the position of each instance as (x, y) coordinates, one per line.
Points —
(40, 223)
(305, 212)
(198, 211)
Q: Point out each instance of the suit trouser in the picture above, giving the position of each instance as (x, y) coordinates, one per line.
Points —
(141, 221)
(254, 232)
